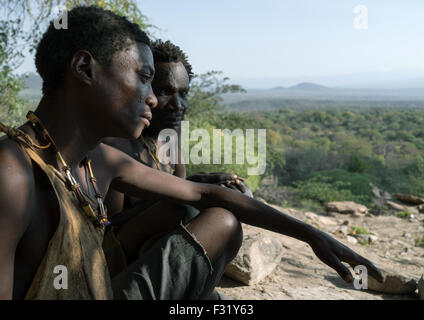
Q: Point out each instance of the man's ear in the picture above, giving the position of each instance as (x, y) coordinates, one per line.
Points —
(83, 66)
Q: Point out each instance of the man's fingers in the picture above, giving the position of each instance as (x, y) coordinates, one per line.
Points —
(241, 187)
(342, 270)
(219, 177)
(371, 268)
(231, 186)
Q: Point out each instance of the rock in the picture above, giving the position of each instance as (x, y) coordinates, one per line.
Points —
(409, 199)
(332, 214)
(406, 235)
(344, 230)
(400, 207)
(346, 207)
(393, 282)
(376, 191)
(256, 259)
(352, 240)
(380, 194)
(370, 238)
(320, 220)
(421, 287)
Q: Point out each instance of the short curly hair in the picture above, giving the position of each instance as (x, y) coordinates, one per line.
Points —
(99, 31)
(169, 52)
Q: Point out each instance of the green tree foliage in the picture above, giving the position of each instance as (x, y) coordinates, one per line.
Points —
(38, 13)
(24, 23)
(11, 105)
(206, 111)
(205, 100)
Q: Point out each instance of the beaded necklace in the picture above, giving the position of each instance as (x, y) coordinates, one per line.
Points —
(99, 218)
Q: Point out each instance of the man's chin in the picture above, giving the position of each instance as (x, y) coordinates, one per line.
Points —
(135, 133)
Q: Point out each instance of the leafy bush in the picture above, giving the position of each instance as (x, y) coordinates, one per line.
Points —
(403, 214)
(358, 184)
(358, 230)
(322, 190)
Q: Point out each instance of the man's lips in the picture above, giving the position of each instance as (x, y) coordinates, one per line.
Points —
(145, 118)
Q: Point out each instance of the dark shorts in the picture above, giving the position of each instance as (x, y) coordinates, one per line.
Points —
(174, 267)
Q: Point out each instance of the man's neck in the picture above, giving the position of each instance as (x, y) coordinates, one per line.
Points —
(68, 127)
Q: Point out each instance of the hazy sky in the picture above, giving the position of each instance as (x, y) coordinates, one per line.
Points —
(290, 38)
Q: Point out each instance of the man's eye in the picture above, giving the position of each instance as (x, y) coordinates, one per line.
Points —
(163, 93)
(144, 77)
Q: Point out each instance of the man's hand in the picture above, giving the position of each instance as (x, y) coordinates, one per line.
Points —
(224, 179)
(333, 253)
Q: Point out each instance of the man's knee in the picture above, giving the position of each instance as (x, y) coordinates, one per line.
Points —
(236, 238)
(186, 213)
(229, 228)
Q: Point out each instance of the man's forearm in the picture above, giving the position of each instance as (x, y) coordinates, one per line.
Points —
(255, 213)
(180, 171)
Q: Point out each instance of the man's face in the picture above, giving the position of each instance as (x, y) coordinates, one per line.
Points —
(171, 86)
(123, 92)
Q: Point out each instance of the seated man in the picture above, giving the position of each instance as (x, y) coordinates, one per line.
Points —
(170, 85)
(54, 172)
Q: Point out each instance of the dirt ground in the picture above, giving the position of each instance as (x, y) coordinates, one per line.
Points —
(301, 275)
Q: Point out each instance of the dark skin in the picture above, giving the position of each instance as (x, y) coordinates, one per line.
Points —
(171, 85)
(95, 102)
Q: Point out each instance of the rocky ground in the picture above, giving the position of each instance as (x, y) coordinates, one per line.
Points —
(301, 275)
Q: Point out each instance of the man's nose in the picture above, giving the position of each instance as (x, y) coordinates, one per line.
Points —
(175, 103)
(151, 100)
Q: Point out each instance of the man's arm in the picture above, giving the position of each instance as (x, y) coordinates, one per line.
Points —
(15, 192)
(180, 171)
(138, 180)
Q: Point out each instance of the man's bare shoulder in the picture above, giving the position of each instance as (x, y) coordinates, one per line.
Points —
(17, 183)
(115, 160)
(108, 152)
(110, 158)
(13, 156)
(134, 148)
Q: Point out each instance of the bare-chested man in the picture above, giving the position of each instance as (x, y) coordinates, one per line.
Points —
(97, 83)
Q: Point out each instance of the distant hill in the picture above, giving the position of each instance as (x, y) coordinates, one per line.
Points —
(308, 86)
(32, 88)
(33, 81)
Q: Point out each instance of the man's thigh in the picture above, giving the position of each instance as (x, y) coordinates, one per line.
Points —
(159, 219)
(175, 267)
